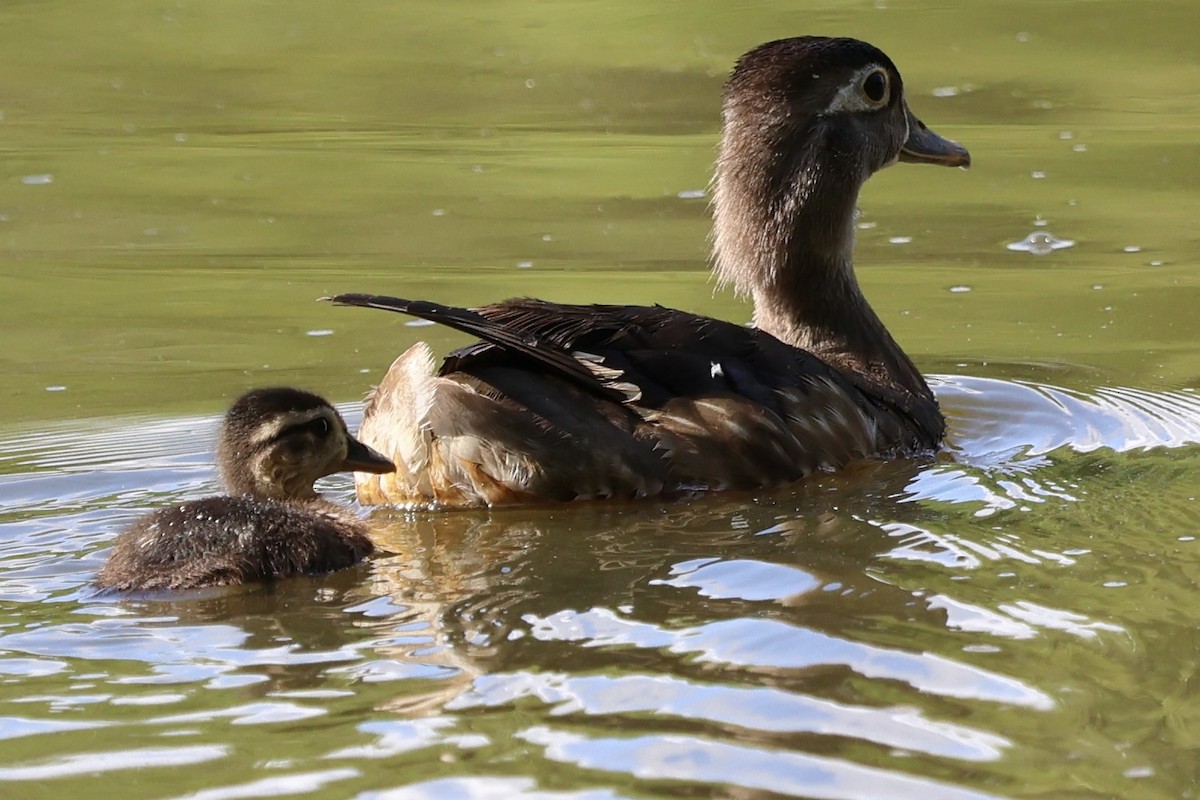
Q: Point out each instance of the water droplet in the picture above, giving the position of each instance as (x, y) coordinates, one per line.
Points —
(959, 289)
(319, 332)
(1040, 243)
(691, 194)
(56, 388)
(1037, 174)
(1132, 248)
(524, 265)
(945, 91)
(530, 83)
(899, 239)
(37, 180)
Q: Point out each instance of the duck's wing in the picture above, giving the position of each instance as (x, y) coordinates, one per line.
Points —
(646, 355)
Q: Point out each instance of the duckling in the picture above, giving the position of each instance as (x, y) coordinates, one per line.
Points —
(272, 446)
(564, 402)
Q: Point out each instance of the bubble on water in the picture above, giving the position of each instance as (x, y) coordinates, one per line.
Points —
(945, 91)
(524, 265)
(42, 179)
(959, 289)
(1037, 174)
(319, 332)
(691, 194)
(56, 388)
(1080, 148)
(899, 239)
(1040, 243)
(1132, 248)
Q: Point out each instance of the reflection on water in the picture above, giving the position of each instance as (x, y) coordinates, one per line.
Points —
(858, 635)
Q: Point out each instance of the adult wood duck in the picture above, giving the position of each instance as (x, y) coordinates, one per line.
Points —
(272, 446)
(563, 402)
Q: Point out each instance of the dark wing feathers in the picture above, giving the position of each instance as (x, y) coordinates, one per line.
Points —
(647, 354)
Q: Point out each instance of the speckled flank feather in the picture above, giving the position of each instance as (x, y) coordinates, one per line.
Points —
(712, 405)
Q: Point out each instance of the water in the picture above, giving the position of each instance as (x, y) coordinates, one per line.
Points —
(1014, 618)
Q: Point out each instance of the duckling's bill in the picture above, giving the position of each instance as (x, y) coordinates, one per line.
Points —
(923, 146)
(360, 458)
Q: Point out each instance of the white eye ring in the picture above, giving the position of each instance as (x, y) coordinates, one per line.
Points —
(868, 89)
(875, 87)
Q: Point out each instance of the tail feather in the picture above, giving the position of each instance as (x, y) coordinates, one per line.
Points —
(548, 356)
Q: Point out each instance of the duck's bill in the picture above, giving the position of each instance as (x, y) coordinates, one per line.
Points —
(360, 458)
(926, 147)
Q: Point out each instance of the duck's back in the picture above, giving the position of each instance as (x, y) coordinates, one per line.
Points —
(222, 541)
(562, 402)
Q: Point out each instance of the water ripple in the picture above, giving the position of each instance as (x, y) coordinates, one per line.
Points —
(771, 643)
(693, 759)
(112, 760)
(759, 709)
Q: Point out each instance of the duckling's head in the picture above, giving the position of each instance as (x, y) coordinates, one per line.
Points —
(275, 443)
(806, 122)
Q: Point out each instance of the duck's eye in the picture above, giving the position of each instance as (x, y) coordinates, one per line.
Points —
(875, 86)
(320, 426)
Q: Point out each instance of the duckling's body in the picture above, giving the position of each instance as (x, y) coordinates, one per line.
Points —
(273, 445)
(561, 402)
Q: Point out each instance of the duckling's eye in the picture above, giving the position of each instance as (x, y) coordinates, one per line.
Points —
(875, 86)
(318, 427)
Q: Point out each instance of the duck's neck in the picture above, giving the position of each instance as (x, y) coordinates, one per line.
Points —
(785, 236)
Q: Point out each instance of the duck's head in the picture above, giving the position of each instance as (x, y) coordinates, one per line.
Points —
(275, 443)
(806, 122)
